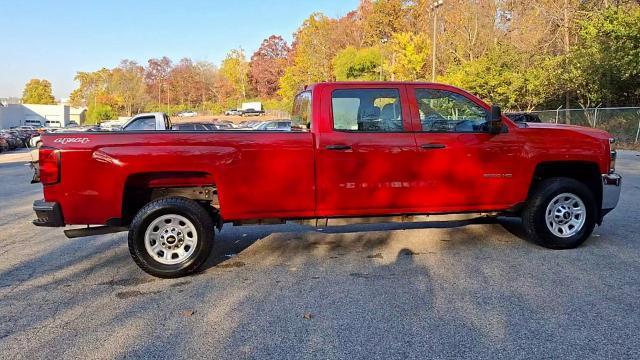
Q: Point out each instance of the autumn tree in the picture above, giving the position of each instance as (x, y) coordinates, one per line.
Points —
(522, 54)
(128, 86)
(409, 56)
(38, 91)
(157, 74)
(268, 64)
(467, 30)
(315, 45)
(382, 19)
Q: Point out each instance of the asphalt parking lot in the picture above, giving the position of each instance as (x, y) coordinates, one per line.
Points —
(442, 289)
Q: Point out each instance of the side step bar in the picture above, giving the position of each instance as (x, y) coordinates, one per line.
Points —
(91, 231)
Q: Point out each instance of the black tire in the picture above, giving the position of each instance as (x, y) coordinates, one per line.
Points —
(189, 209)
(534, 217)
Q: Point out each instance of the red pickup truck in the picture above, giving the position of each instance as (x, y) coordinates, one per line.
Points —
(356, 150)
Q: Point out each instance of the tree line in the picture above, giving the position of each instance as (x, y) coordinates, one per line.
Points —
(520, 54)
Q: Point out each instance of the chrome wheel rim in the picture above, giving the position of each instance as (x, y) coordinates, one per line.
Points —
(565, 215)
(170, 239)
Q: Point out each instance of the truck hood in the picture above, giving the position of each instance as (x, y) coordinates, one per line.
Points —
(596, 133)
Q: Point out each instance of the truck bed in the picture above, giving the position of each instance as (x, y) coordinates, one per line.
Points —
(248, 169)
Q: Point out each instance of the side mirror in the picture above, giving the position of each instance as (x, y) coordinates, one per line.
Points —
(494, 123)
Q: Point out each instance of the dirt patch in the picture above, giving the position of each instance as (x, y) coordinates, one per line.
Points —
(128, 282)
(235, 264)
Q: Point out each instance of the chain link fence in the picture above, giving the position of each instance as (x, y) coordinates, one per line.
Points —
(621, 122)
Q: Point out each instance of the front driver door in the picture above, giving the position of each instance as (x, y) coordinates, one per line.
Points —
(461, 166)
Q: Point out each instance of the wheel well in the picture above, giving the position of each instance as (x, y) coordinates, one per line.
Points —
(140, 189)
(586, 172)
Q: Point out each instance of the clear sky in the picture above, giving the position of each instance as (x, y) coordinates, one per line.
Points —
(54, 39)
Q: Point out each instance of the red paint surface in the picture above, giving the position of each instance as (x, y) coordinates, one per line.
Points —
(292, 175)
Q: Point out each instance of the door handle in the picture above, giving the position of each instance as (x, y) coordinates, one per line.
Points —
(433, 146)
(338, 147)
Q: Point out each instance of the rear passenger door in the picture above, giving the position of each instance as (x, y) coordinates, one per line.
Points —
(364, 152)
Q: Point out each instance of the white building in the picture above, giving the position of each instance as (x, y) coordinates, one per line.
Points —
(39, 115)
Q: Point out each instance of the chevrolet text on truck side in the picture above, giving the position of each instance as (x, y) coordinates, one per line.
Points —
(356, 149)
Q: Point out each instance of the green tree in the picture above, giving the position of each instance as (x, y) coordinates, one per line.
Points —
(605, 65)
(507, 77)
(38, 91)
(357, 64)
(235, 69)
(100, 112)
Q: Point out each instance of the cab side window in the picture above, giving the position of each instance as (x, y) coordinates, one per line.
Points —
(367, 110)
(446, 111)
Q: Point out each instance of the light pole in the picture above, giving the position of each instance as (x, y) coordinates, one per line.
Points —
(434, 8)
(383, 41)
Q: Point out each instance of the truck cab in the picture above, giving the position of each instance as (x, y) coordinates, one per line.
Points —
(147, 122)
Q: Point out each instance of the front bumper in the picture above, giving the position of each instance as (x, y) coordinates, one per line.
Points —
(611, 185)
(47, 214)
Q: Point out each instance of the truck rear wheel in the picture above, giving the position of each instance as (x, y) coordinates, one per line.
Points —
(560, 213)
(171, 237)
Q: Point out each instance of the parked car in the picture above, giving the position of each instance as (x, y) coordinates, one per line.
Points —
(194, 127)
(225, 125)
(187, 113)
(12, 140)
(27, 128)
(372, 149)
(4, 145)
(276, 125)
(233, 112)
(23, 135)
(524, 117)
(249, 124)
(252, 112)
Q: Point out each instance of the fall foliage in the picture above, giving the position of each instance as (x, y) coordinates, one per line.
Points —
(520, 54)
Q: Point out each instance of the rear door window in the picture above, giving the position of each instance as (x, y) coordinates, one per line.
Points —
(367, 110)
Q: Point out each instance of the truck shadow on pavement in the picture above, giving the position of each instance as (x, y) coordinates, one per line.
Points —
(290, 289)
(233, 240)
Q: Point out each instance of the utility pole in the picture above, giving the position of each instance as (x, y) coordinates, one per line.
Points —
(167, 87)
(434, 8)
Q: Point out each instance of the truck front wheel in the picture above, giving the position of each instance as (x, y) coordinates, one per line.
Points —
(171, 237)
(561, 213)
